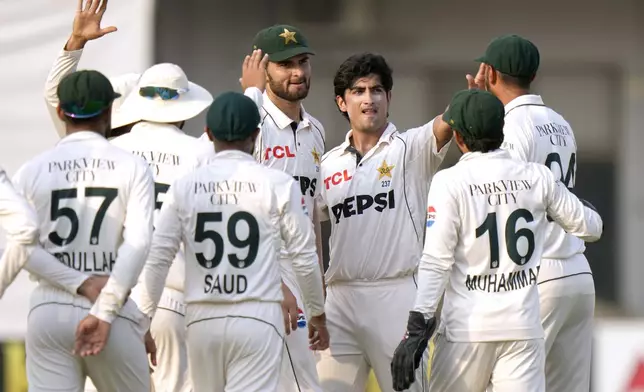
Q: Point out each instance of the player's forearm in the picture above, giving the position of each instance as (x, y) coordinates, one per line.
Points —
(573, 216)
(47, 267)
(432, 279)
(66, 63)
(318, 240)
(442, 132)
(309, 278)
(154, 275)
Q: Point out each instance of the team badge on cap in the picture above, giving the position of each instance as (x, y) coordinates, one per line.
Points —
(431, 216)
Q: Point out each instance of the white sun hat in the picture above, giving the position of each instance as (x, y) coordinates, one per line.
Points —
(164, 94)
(124, 85)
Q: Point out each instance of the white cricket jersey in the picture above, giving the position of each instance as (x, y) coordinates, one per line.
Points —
(376, 203)
(485, 232)
(294, 148)
(535, 133)
(94, 204)
(171, 154)
(232, 216)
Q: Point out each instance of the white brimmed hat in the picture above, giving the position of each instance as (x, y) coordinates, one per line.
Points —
(124, 85)
(164, 94)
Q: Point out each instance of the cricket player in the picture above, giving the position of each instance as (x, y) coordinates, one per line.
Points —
(374, 189)
(95, 206)
(19, 220)
(485, 232)
(87, 27)
(233, 216)
(536, 133)
(159, 106)
(277, 76)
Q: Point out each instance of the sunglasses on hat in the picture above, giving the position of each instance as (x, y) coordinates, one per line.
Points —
(164, 93)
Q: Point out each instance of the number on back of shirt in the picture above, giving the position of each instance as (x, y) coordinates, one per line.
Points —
(512, 237)
(553, 162)
(58, 212)
(242, 232)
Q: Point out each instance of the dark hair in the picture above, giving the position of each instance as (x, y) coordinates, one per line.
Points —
(482, 145)
(522, 82)
(359, 66)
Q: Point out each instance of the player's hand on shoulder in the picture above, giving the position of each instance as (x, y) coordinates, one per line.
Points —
(254, 70)
(409, 352)
(91, 336)
(289, 310)
(318, 333)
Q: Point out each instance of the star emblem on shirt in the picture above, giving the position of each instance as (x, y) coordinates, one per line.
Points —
(385, 170)
(316, 156)
(289, 36)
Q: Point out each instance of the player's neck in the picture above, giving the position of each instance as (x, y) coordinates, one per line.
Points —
(75, 129)
(365, 141)
(292, 109)
(509, 94)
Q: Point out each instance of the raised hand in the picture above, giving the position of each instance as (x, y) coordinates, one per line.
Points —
(87, 23)
(254, 70)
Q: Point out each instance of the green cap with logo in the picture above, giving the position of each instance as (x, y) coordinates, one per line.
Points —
(85, 94)
(281, 42)
(476, 114)
(232, 116)
(512, 55)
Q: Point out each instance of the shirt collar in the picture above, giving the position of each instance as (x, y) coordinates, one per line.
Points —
(384, 138)
(81, 136)
(282, 120)
(233, 154)
(498, 154)
(528, 99)
(148, 125)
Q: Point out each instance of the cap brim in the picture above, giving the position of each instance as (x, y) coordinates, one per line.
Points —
(288, 53)
(481, 59)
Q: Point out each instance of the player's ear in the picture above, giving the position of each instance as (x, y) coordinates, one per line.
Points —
(60, 113)
(209, 133)
(342, 105)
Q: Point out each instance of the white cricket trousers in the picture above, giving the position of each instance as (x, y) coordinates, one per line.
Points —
(235, 347)
(168, 329)
(366, 322)
(567, 312)
(52, 367)
(510, 366)
(299, 373)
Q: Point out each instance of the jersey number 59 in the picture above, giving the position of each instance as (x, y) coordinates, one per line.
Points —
(512, 236)
(251, 241)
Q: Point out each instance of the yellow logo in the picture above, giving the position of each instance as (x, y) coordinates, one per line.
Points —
(451, 122)
(316, 156)
(385, 170)
(288, 36)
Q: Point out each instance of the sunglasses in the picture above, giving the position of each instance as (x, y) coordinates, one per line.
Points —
(164, 93)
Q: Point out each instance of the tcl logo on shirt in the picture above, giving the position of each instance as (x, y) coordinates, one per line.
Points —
(278, 152)
(337, 178)
(357, 205)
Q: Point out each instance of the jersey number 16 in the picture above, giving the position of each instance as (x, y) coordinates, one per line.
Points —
(512, 236)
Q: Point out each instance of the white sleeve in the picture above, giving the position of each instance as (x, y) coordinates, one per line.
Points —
(517, 141)
(46, 267)
(569, 212)
(441, 238)
(133, 252)
(423, 152)
(18, 219)
(65, 63)
(165, 245)
(299, 239)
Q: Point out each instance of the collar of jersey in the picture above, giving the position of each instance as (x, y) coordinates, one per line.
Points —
(282, 120)
(234, 154)
(529, 99)
(81, 136)
(384, 138)
(153, 126)
(500, 153)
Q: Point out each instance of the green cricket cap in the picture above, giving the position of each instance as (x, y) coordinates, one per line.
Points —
(232, 116)
(512, 55)
(281, 42)
(85, 94)
(476, 114)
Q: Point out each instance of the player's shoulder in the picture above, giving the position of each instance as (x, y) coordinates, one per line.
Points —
(333, 154)
(317, 127)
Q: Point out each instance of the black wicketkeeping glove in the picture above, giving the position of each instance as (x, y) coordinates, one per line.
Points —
(410, 351)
